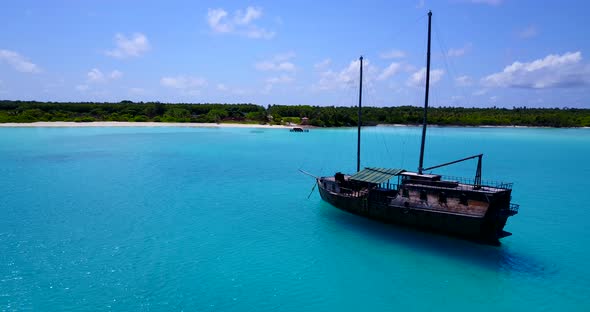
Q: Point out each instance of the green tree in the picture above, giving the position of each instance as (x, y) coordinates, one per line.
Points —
(217, 114)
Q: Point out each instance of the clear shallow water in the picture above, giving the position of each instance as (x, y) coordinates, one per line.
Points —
(159, 219)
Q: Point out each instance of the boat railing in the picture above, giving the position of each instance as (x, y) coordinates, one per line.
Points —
(488, 183)
(514, 208)
(344, 191)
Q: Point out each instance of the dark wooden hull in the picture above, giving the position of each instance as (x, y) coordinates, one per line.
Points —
(487, 229)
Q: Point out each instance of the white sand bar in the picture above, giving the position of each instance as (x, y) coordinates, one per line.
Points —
(64, 124)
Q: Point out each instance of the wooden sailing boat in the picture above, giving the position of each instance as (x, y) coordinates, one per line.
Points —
(464, 207)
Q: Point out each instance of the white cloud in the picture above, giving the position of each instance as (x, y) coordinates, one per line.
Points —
(346, 77)
(389, 71)
(463, 81)
(222, 87)
(272, 66)
(258, 33)
(183, 82)
(456, 52)
(280, 79)
(323, 64)
(420, 4)
(392, 54)
(552, 71)
(240, 23)
(529, 32)
(279, 62)
(214, 17)
(95, 75)
(18, 62)
(115, 74)
(418, 79)
(251, 14)
(134, 46)
(409, 68)
(270, 82)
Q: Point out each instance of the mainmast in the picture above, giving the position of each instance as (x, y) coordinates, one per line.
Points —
(358, 148)
(421, 164)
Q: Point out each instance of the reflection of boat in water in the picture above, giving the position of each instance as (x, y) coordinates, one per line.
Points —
(298, 130)
(467, 207)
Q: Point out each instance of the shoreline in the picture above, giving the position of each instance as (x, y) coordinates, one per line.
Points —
(482, 126)
(72, 124)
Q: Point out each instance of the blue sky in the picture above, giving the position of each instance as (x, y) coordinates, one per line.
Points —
(484, 52)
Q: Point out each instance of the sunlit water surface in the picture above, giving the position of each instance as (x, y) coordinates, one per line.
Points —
(197, 219)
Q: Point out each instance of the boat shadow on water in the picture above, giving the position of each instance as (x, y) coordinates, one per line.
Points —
(500, 258)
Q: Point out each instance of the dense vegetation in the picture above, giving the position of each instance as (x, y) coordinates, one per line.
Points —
(518, 116)
(22, 111)
(347, 116)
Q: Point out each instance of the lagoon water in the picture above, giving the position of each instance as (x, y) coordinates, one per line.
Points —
(208, 219)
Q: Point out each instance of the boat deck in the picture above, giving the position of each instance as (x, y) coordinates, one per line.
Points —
(458, 187)
(474, 209)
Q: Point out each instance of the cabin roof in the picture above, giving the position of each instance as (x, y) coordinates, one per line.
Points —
(423, 176)
(375, 175)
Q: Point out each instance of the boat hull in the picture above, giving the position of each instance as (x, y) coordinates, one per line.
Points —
(484, 229)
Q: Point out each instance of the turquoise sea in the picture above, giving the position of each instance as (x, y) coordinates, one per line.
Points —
(219, 219)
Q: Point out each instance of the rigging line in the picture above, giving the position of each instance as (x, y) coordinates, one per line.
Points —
(443, 46)
(389, 154)
(403, 137)
(376, 132)
(444, 54)
(366, 100)
(344, 98)
(379, 133)
(406, 25)
(448, 65)
(353, 98)
(342, 148)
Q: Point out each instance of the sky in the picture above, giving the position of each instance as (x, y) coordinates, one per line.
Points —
(485, 53)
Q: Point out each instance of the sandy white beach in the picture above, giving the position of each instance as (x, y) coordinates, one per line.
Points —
(64, 124)
(69, 124)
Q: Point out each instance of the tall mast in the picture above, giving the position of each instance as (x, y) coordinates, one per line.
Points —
(421, 164)
(358, 146)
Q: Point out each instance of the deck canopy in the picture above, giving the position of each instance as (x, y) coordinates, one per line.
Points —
(375, 175)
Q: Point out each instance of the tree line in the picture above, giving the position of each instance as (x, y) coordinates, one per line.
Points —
(31, 111)
(320, 116)
(445, 116)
